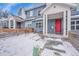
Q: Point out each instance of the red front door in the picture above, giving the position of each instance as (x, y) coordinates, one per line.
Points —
(58, 26)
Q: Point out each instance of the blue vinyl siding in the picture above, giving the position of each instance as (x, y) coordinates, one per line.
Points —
(37, 29)
(36, 16)
(35, 12)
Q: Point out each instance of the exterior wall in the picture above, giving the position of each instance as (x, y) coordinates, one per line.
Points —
(28, 23)
(32, 24)
(22, 24)
(35, 16)
(37, 29)
(35, 12)
(4, 23)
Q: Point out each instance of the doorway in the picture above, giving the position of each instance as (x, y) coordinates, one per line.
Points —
(58, 26)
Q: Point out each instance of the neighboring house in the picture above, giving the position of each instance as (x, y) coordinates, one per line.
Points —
(11, 22)
(32, 17)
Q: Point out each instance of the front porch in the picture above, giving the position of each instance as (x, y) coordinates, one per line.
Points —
(56, 19)
(57, 23)
(12, 23)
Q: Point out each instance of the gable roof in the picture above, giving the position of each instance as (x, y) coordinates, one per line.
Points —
(67, 4)
(42, 5)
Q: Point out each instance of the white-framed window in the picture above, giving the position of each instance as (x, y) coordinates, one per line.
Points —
(11, 22)
(39, 24)
(31, 13)
(4, 24)
(75, 24)
(29, 24)
(39, 13)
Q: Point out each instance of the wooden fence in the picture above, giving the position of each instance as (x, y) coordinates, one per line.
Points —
(17, 30)
(74, 38)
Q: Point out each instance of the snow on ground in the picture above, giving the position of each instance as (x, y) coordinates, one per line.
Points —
(22, 45)
(62, 48)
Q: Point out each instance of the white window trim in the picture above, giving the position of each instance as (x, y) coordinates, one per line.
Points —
(75, 23)
(31, 13)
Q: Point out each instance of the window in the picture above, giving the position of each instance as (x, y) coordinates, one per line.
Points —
(31, 13)
(73, 22)
(5, 24)
(77, 27)
(29, 25)
(39, 24)
(39, 13)
(72, 27)
(26, 12)
(11, 23)
(77, 22)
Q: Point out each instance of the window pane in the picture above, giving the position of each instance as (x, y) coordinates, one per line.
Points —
(26, 12)
(77, 27)
(72, 27)
(39, 13)
(77, 22)
(36, 25)
(31, 13)
(11, 23)
(72, 22)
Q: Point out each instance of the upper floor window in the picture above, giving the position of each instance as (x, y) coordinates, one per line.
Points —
(39, 13)
(26, 12)
(31, 13)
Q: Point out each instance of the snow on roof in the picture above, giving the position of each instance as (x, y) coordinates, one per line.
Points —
(67, 4)
(36, 5)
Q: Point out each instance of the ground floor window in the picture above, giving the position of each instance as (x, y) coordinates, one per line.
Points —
(4, 24)
(28, 24)
(77, 27)
(39, 24)
(75, 24)
(11, 22)
(72, 27)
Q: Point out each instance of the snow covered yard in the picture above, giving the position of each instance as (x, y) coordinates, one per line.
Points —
(22, 45)
(18, 45)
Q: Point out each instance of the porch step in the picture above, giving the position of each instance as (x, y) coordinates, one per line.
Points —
(56, 36)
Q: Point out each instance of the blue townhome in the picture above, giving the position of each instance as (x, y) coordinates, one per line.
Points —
(33, 18)
(53, 18)
(61, 18)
